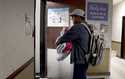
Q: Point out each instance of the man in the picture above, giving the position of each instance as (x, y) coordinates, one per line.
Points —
(79, 37)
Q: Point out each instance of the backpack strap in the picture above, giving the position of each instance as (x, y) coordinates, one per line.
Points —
(90, 33)
(87, 28)
(87, 56)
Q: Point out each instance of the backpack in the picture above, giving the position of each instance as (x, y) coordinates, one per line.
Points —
(96, 47)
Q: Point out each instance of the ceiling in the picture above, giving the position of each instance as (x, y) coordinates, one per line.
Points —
(78, 3)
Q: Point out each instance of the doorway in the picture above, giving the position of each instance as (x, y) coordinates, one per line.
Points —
(123, 38)
(48, 65)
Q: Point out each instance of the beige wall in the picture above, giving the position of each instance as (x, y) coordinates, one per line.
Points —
(118, 12)
(15, 47)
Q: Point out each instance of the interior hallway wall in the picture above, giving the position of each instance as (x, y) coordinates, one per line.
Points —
(118, 12)
(15, 47)
(1, 54)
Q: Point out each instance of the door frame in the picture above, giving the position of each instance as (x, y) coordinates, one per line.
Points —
(122, 37)
(42, 40)
(43, 48)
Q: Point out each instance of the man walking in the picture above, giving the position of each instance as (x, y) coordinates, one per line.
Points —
(79, 37)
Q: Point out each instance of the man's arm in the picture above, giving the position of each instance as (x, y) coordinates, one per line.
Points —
(70, 35)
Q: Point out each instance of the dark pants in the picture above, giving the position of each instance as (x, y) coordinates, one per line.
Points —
(80, 71)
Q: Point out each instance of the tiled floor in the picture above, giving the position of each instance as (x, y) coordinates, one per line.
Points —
(117, 68)
(63, 70)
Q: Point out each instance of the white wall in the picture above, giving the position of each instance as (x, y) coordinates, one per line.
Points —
(15, 47)
(118, 12)
(116, 1)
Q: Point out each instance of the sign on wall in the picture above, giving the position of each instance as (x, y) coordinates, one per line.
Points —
(97, 12)
(58, 17)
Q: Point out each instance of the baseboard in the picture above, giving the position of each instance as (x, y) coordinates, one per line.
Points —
(117, 42)
(20, 69)
(98, 73)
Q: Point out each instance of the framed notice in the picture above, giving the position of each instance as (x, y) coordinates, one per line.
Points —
(58, 17)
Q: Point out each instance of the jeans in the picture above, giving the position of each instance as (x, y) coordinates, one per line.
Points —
(80, 71)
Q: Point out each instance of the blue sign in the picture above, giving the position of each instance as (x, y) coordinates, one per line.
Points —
(97, 11)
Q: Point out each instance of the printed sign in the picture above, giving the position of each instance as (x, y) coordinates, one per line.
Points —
(97, 12)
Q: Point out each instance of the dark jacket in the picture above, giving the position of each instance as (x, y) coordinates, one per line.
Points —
(79, 37)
